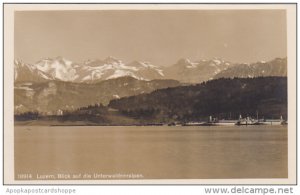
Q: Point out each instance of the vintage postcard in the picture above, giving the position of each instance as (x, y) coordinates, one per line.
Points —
(149, 93)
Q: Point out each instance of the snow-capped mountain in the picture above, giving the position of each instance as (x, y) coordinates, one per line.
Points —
(185, 70)
(28, 72)
(195, 72)
(58, 68)
(110, 68)
(89, 72)
(40, 86)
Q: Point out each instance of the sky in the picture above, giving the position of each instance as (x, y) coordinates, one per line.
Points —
(160, 37)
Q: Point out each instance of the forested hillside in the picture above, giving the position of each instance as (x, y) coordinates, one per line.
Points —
(222, 98)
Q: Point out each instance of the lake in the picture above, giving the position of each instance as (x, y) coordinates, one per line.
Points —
(150, 152)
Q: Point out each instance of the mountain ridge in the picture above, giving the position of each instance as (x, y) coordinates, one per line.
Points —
(51, 96)
(184, 70)
(275, 67)
(222, 98)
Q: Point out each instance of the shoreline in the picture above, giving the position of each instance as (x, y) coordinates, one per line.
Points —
(87, 123)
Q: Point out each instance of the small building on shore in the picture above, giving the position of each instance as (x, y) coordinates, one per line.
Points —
(59, 112)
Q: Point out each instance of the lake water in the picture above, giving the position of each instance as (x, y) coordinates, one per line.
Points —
(151, 152)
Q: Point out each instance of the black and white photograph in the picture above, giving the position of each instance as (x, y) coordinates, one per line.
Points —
(150, 93)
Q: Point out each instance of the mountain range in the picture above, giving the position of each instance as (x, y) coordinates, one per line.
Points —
(51, 96)
(276, 67)
(185, 71)
(90, 71)
(52, 84)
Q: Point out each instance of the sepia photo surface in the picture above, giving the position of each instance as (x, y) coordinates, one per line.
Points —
(135, 94)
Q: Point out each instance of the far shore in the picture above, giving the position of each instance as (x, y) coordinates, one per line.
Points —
(90, 123)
